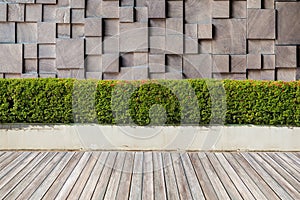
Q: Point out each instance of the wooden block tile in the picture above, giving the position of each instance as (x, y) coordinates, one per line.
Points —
(253, 3)
(11, 58)
(134, 37)
(49, 13)
(220, 63)
(174, 26)
(268, 61)
(191, 46)
(199, 66)
(157, 44)
(175, 9)
(111, 27)
(238, 63)
(174, 63)
(33, 13)
(93, 45)
(157, 27)
(261, 24)
(157, 63)
(126, 14)
(288, 16)
(230, 36)
(93, 63)
(191, 30)
(47, 66)
(286, 74)
(239, 9)
(26, 32)
(157, 8)
(30, 51)
(78, 16)
(47, 51)
(63, 15)
(110, 9)
(63, 31)
(69, 53)
(77, 30)
(286, 56)
(174, 44)
(3, 12)
(77, 3)
(93, 8)
(126, 60)
(110, 45)
(205, 31)
(261, 46)
(93, 27)
(254, 61)
(7, 32)
(31, 65)
(267, 75)
(110, 63)
(220, 9)
(16, 12)
(140, 59)
(93, 75)
(46, 32)
(141, 14)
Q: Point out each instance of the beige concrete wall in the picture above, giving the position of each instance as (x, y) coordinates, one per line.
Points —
(96, 137)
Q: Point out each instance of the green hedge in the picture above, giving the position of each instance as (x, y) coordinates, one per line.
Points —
(171, 102)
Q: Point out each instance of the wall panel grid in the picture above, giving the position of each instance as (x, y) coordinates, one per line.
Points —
(150, 39)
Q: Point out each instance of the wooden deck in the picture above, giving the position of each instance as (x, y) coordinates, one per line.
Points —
(149, 175)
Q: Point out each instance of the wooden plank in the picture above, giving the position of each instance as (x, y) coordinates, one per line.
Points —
(114, 181)
(82, 180)
(292, 181)
(49, 180)
(137, 175)
(2, 153)
(213, 177)
(7, 158)
(280, 180)
(239, 184)
(102, 183)
(285, 165)
(94, 176)
(203, 179)
(170, 179)
(255, 176)
(223, 176)
(30, 177)
(158, 175)
(266, 177)
(17, 167)
(183, 186)
(13, 164)
(57, 161)
(148, 188)
(126, 176)
(296, 154)
(293, 157)
(193, 182)
(61, 178)
(71, 180)
(253, 188)
(7, 185)
(290, 161)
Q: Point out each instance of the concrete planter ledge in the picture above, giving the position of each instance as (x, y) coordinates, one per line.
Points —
(182, 138)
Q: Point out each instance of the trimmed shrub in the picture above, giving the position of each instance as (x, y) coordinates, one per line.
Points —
(155, 102)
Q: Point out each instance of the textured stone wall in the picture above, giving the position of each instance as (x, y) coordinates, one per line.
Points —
(157, 39)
